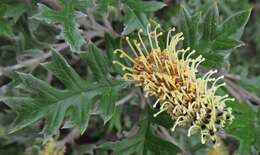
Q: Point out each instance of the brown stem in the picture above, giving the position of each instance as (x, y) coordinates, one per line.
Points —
(74, 133)
(52, 4)
(30, 62)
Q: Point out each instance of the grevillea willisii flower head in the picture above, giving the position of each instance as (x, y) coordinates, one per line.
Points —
(51, 148)
(170, 75)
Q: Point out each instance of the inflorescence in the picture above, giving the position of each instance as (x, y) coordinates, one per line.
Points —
(170, 75)
(51, 148)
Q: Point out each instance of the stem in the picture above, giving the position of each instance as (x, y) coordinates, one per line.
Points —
(30, 62)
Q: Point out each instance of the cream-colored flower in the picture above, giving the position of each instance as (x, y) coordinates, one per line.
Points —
(50, 148)
(170, 75)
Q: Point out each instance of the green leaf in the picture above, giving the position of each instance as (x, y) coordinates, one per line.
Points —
(45, 101)
(215, 59)
(189, 27)
(217, 41)
(96, 62)
(104, 5)
(144, 142)
(107, 106)
(9, 14)
(163, 119)
(67, 18)
(5, 28)
(115, 121)
(226, 44)
(251, 84)
(243, 126)
(134, 21)
(234, 25)
(81, 107)
(210, 23)
(15, 11)
(257, 128)
(135, 16)
(28, 110)
(145, 6)
(62, 70)
(111, 45)
(99, 65)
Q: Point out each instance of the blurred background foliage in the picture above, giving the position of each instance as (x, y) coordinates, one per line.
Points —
(67, 45)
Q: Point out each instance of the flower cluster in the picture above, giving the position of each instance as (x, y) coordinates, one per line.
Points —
(170, 75)
(51, 148)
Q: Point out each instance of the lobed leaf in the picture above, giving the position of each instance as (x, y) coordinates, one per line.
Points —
(189, 27)
(218, 39)
(235, 24)
(9, 14)
(226, 44)
(144, 142)
(96, 62)
(135, 14)
(67, 18)
(52, 104)
(111, 45)
(245, 126)
(99, 65)
(211, 23)
(108, 106)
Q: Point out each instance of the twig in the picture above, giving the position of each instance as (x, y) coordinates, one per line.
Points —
(52, 4)
(74, 133)
(142, 98)
(126, 98)
(109, 26)
(257, 6)
(95, 29)
(28, 2)
(2, 90)
(240, 93)
(237, 95)
(89, 35)
(234, 89)
(232, 76)
(30, 62)
(24, 64)
(107, 23)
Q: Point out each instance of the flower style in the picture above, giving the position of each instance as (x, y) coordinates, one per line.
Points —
(170, 75)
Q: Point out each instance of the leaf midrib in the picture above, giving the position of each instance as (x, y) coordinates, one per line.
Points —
(97, 88)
